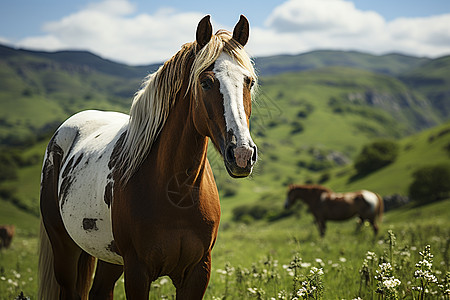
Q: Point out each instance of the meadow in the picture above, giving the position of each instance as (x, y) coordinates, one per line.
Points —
(287, 259)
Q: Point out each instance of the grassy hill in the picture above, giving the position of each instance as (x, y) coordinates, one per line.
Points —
(432, 80)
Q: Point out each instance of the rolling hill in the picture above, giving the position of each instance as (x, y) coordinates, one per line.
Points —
(313, 114)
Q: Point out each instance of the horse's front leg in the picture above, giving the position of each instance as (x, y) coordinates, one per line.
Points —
(193, 286)
(137, 279)
(322, 226)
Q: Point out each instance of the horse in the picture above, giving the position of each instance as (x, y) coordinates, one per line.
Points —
(136, 192)
(325, 205)
(6, 234)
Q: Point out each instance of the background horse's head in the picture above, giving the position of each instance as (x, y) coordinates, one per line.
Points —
(291, 197)
(225, 82)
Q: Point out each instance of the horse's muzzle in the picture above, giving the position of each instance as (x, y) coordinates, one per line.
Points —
(239, 160)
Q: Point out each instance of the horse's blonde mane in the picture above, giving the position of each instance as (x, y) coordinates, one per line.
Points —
(152, 104)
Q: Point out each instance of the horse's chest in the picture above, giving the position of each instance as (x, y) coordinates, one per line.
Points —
(85, 194)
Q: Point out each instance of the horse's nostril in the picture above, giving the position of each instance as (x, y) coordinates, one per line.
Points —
(255, 154)
(229, 154)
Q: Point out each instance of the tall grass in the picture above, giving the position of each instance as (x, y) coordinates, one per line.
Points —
(287, 259)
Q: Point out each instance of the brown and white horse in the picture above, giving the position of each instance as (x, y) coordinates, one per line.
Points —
(325, 205)
(137, 192)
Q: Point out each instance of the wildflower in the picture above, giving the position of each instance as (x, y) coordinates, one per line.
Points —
(256, 292)
(371, 255)
(424, 273)
(282, 295)
(320, 262)
(163, 281)
(12, 282)
(387, 283)
(302, 291)
(221, 272)
(342, 259)
(316, 271)
(16, 274)
(391, 283)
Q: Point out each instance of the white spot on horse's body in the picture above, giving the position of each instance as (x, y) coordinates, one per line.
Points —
(231, 77)
(371, 198)
(89, 138)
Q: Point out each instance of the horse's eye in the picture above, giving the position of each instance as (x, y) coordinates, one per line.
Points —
(249, 82)
(206, 84)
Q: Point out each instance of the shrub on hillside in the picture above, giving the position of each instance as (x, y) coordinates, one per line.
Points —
(431, 183)
(247, 213)
(8, 165)
(375, 156)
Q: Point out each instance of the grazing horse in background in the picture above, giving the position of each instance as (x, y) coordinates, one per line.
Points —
(325, 205)
(137, 192)
(6, 234)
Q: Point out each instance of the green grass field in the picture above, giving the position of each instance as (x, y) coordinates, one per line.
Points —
(251, 260)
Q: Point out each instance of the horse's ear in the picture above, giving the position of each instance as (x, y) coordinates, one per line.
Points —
(241, 31)
(204, 31)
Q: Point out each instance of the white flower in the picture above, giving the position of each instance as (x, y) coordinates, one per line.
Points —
(370, 255)
(301, 292)
(342, 259)
(222, 272)
(317, 271)
(305, 265)
(14, 283)
(391, 283)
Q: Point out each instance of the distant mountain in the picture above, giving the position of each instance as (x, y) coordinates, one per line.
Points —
(391, 64)
(83, 59)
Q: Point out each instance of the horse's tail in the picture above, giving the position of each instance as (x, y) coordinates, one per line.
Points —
(86, 267)
(48, 287)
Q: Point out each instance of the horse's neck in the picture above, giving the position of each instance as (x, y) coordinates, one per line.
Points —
(180, 148)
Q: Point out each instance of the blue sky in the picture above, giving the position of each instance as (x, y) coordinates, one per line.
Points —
(142, 31)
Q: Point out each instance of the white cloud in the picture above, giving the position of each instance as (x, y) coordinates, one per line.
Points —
(115, 30)
(303, 25)
(112, 30)
(323, 15)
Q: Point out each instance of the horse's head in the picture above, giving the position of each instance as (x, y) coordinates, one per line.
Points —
(290, 198)
(223, 94)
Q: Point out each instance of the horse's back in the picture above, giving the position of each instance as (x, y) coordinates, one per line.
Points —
(85, 183)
